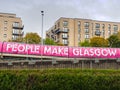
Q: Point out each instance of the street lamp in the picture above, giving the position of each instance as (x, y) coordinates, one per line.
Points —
(42, 13)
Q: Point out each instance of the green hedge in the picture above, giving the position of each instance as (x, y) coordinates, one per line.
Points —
(59, 79)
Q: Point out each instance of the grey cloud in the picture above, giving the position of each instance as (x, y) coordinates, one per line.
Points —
(29, 11)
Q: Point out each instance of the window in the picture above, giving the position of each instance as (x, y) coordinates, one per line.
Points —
(92, 30)
(103, 33)
(97, 25)
(64, 35)
(79, 23)
(55, 27)
(65, 23)
(109, 26)
(97, 32)
(15, 37)
(78, 30)
(65, 41)
(5, 22)
(79, 37)
(79, 27)
(86, 24)
(5, 28)
(103, 26)
(16, 24)
(109, 32)
(58, 24)
(16, 31)
(86, 30)
(65, 29)
(5, 35)
(86, 36)
(115, 28)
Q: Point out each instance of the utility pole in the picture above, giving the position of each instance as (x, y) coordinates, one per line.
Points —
(42, 13)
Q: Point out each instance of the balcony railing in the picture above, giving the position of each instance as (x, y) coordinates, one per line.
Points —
(17, 27)
(65, 30)
(64, 37)
(52, 36)
(18, 34)
(98, 33)
(66, 43)
(58, 31)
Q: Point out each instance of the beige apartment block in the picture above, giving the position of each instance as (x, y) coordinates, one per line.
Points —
(11, 27)
(72, 31)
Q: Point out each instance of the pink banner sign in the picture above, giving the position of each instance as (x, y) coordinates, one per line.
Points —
(59, 51)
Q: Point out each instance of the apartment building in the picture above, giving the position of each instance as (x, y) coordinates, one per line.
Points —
(11, 27)
(72, 31)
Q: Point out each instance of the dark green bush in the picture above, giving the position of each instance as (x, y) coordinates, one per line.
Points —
(59, 79)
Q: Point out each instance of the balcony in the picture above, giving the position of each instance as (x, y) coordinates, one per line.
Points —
(97, 33)
(66, 43)
(52, 36)
(65, 30)
(18, 34)
(58, 31)
(65, 37)
(52, 31)
(17, 27)
(86, 26)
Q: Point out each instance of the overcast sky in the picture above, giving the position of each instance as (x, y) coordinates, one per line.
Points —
(30, 11)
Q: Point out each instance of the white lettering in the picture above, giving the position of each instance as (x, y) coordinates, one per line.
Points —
(104, 52)
(81, 54)
(37, 49)
(97, 52)
(21, 48)
(76, 52)
(92, 52)
(65, 51)
(86, 52)
(112, 52)
(47, 50)
(9, 46)
(54, 51)
(14, 48)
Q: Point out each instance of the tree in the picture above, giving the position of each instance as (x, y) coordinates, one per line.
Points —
(32, 38)
(86, 43)
(16, 40)
(99, 42)
(49, 41)
(60, 44)
(118, 35)
(114, 41)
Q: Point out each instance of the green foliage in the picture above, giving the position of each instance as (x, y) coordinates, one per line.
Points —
(60, 44)
(114, 40)
(32, 38)
(59, 79)
(86, 43)
(98, 42)
(17, 40)
(49, 41)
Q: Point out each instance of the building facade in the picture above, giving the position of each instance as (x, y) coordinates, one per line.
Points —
(72, 31)
(11, 27)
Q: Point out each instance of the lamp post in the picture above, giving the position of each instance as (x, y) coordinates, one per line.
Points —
(42, 13)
